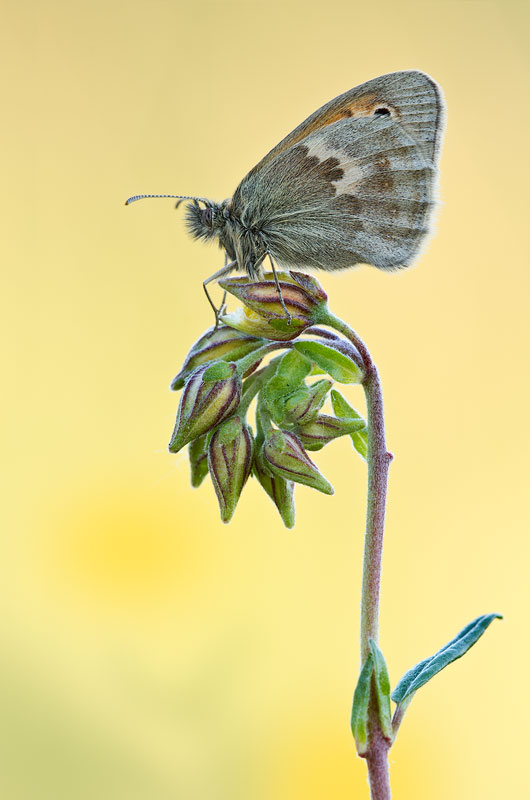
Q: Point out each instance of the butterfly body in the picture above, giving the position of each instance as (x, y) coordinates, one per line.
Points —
(244, 243)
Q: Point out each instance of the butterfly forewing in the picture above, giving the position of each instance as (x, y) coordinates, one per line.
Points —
(358, 190)
(410, 96)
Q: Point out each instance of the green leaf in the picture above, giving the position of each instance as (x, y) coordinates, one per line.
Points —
(360, 442)
(336, 364)
(294, 367)
(359, 712)
(290, 372)
(219, 371)
(416, 677)
(382, 686)
(342, 408)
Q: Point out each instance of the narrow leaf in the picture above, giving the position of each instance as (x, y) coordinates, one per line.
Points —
(382, 685)
(429, 667)
(336, 364)
(359, 712)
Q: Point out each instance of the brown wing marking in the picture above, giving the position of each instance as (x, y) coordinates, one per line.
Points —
(341, 108)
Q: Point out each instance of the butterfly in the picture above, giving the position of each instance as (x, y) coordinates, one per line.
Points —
(355, 183)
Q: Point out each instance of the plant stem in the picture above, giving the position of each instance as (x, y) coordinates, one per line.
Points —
(378, 462)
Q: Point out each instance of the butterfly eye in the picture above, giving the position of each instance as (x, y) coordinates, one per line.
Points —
(381, 112)
(206, 216)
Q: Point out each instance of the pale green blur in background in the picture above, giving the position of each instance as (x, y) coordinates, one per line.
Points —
(149, 652)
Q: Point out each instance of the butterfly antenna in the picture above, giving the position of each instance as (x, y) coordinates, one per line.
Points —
(179, 197)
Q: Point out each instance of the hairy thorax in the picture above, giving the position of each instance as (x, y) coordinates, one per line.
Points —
(244, 244)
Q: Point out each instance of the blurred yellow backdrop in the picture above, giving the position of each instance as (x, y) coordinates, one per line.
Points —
(148, 650)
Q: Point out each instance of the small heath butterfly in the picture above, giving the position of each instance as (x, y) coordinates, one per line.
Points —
(355, 183)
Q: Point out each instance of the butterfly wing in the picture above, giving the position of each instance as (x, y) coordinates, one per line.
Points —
(357, 190)
(411, 97)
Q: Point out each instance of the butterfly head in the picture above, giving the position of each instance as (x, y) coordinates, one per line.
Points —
(206, 219)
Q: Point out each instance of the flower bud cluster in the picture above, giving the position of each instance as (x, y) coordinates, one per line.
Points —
(219, 381)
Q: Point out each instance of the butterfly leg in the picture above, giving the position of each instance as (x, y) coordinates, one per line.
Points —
(223, 301)
(226, 270)
(287, 314)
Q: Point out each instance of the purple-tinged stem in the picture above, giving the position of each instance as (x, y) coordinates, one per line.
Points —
(378, 462)
(378, 459)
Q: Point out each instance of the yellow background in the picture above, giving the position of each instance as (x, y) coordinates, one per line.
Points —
(148, 651)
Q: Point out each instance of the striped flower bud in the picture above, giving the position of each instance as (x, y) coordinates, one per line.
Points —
(211, 394)
(230, 462)
(225, 343)
(303, 405)
(264, 314)
(284, 455)
(315, 434)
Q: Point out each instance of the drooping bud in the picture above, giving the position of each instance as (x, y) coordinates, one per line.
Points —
(198, 456)
(279, 490)
(263, 312)
(322, 430)
(303, 405)
(224, 343)
(284, 455)
(211, 394)
(230, 462)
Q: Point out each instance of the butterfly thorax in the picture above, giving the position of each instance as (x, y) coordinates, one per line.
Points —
(243, 243)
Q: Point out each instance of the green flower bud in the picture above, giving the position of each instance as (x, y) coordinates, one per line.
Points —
(248, 321)
(263, 313)
(322, 430)
(284, 455)
(198, 456)
(224, 343)
(279, 490)
(303, 405)
(211, 394)
(230, 462)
